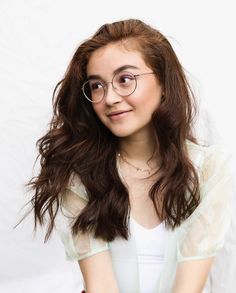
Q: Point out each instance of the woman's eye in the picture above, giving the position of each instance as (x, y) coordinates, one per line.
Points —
(125, 79)
(95, 86)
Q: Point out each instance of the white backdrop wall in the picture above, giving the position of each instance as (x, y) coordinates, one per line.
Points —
(37, 40)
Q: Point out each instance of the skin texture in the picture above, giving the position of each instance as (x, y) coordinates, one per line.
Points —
(191, 276)
(148, 91)
(137, 143)
(98, 274)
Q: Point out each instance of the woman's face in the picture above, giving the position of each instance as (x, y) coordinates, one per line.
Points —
(125, 116)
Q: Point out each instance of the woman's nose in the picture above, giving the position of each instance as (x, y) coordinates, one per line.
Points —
(111, 96)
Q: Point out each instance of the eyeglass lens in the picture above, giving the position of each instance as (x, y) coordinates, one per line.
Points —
(124, 83)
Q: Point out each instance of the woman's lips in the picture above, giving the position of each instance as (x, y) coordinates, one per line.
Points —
(118, 115)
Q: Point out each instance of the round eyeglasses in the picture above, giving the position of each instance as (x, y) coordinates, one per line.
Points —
(124, 84)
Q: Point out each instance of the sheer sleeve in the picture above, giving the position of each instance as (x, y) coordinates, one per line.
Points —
(78, 247)
(202, 234)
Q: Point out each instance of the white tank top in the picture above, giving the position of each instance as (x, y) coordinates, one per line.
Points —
(150, 244)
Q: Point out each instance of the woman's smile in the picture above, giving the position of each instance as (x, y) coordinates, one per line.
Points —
(118, 115)
(125, 115)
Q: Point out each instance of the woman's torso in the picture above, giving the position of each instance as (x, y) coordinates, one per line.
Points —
(146, 245)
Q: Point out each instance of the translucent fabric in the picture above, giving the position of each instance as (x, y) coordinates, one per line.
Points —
(198, 237)
(82, 245)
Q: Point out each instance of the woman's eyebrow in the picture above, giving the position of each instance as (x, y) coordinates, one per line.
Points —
(122, 68)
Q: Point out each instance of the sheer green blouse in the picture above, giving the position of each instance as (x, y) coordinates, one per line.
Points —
(198, 237)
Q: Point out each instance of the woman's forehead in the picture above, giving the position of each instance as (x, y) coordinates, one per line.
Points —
(112, 57)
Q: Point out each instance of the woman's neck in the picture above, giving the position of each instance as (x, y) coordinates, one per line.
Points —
(139, 147)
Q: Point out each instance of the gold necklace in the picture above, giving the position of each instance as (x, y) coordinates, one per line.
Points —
(137, 168)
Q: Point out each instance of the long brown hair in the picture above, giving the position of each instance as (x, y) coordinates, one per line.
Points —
(78, 143)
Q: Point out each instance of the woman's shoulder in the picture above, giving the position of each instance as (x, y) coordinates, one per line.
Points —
(203, 232)
(212, 162)
(74, 197)
(203, 155)
(76, 186)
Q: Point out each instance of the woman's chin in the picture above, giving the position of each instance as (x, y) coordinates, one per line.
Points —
(121, 133)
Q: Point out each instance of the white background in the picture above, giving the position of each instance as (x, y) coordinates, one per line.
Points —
(37, 41)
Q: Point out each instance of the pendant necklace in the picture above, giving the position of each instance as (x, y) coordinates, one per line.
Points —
(135, 167)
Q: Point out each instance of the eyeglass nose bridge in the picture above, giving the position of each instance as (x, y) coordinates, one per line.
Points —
(105, 86)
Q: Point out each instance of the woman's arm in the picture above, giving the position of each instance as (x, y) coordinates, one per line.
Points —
(191, 275)
(98, 273)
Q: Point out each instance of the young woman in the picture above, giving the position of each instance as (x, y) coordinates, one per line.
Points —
(137, 201)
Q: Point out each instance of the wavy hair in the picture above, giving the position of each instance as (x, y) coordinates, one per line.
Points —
(78, 143)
